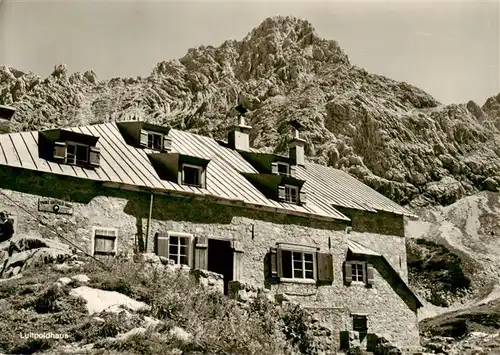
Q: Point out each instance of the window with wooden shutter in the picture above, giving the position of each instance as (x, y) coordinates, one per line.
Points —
(105, 241)
(281, 193)
(162, 244)
(324, 267)
(369, 274)
(296, 265)
(175, 246)
(201, 253)
(274, 168)
(95, 157)
(293, 171)
(60, 151)
(273, 263)
(144, 138)
(347, 272)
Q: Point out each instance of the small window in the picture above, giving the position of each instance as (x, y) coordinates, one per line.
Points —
(192, 175)
(155, 141)
(298, 265)
(77, 154)
(359, 323)
(357, 272)
(175, 246)
(104, 241)
(178, 250)
(291, 194)
(283, 169)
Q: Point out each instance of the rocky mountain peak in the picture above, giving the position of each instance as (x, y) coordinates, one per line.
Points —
(391, 135)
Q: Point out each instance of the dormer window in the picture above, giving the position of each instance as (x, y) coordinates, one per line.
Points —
(155, 141)
(77, 154)
(69, 147)
(291, 194)
(192, 175)
(283, 169)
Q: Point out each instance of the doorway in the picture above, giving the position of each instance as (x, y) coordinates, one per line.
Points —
(220, 260)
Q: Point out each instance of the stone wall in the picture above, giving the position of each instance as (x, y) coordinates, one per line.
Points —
(257, 231)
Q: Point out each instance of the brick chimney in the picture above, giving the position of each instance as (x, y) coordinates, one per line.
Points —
(239, 136)
(296, 146)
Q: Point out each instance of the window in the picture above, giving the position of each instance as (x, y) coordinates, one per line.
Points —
(357, 272)
(178, 248)
(291, 194)
(359, 323)
(298, 265)
(155, 141)
(77, 154)
(283, 169)
(104, 241)
(174, 246)
(192, 175)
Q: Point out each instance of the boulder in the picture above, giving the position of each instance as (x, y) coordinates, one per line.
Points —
(100, 300)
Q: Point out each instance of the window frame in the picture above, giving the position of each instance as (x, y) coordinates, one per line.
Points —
(292, 188)
(362, 264)
(153, 134)
(109, 229)
(302, 250)
(75, 161)
(200, 174)
(280, 163)
(190, 247)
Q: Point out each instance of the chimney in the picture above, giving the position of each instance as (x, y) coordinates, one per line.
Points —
(239, 137)
(296, 145)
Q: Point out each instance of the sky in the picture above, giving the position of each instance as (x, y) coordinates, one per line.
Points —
(449, 49)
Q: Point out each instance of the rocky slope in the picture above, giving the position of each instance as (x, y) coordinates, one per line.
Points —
(393, 136)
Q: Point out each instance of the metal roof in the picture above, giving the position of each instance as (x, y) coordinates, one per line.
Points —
(125, 165)
(360, 249)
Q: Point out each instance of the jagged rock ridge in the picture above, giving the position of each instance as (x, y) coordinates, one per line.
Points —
(393, 136)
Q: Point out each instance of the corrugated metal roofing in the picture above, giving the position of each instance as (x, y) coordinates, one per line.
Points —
(357, 248)
(125, 164)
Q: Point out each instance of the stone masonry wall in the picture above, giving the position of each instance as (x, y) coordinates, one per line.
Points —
(257, 231)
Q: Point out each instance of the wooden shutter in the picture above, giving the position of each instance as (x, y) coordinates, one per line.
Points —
(109, 245)
(203, 178)
(302, 197)
(201, 253)
(281, 193)
(274, 168)
(95, 156)
(99, 245)
(162, 244)
(293, 171)
(347, 272)
(279, 262)
(369, 274)
(60, 151)
(167, 143)
(324, 263)
(273, 262)
(144, 138)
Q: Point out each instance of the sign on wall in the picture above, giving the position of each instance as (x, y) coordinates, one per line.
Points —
(55, 206)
